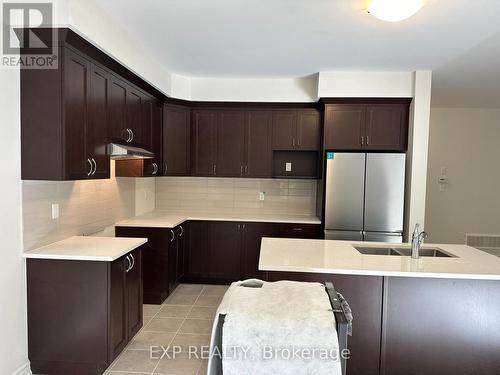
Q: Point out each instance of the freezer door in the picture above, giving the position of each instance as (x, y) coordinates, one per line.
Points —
(384, 195)
(344, 235)
(344, 191)
(383, 237)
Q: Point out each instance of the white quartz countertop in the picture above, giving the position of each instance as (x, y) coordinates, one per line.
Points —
(340, 257)
(172, 219)
(104, 249)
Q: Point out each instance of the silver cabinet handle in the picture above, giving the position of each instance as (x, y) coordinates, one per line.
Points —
(367, 140)
(293, 142)
(133, 261)
(129, 132)
(298, 142)
(362, 141)
(129, 264)
(132, 132)
(215, 169)
(95, 166)
(246, 170)
(89, 173)
(241, 170)
(173, 235)
(155, 168)
(181, 229)
(165, 170)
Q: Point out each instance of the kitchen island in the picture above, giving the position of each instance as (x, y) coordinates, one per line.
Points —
(432, 315)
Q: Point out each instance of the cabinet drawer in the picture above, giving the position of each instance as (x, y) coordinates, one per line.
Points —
(298, 230)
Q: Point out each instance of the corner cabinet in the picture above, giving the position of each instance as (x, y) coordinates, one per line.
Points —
(93, 307)
(64, 115)
(365, 126)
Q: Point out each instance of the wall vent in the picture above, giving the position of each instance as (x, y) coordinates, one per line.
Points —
(487, 242)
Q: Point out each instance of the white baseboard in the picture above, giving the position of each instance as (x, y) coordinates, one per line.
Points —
(23, 370)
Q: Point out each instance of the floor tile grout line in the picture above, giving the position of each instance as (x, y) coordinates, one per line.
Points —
(175, 335)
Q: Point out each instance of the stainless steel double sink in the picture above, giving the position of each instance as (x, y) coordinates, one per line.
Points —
(403, 251)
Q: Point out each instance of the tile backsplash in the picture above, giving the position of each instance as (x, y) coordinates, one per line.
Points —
(236, 195)
(84, 207)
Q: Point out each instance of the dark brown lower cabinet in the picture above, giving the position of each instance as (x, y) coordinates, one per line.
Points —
(227, 251)
(440, 326)
(81, 314)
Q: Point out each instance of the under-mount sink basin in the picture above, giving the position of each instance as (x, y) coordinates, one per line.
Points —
(404, 251)
(425, 252)
(372, 250)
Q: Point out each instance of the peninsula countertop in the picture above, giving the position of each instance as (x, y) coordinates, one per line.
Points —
(161, 219)
(105, 249)
(340, 257)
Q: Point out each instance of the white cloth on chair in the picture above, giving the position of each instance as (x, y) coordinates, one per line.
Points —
(280, 328)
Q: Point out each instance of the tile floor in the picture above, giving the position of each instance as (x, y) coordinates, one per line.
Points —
(185, 319)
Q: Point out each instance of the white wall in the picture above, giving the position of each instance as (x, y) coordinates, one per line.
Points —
(255, 90)
(465, 142)
(13, 341)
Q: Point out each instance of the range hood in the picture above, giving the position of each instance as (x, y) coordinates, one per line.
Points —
(124, 152)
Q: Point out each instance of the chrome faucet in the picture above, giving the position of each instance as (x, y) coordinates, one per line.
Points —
(416, 240)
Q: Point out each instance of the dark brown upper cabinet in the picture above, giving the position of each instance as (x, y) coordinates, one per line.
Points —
(380, 126)
(296, 130)
(64, 117)
(258, 151)
(344, 127)
(176, 141)
(386, 127)
(204, 143)
(230, 144)
(117, 126)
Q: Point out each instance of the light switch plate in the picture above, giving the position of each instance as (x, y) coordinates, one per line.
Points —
(55, 211)
(288, 167)
(262, 195)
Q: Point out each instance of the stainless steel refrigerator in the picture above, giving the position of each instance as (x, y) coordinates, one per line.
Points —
(364, 196)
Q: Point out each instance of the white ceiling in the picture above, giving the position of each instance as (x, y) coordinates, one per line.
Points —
(458, 39)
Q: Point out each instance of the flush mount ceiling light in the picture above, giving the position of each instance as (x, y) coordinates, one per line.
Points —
(394, 10)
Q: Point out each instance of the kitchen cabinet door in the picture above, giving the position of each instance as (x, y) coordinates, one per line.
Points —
(204, 142)
(118, 306)
(344, 127)
(284, 130)
(182, 232)
(258, 150)
(134, 294)
(252, 236)
(230, 144)
(225, 250)
(198, 250)
(97, 137)
(117, 106)
(386, 127)
(176, 141)
(308, 130)
(76, 79)
(156, 138)
(135, 116)
(172, 260)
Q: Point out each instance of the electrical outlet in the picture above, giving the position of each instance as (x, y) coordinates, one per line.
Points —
(55, 211)
(262, 195)
(288, 167)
